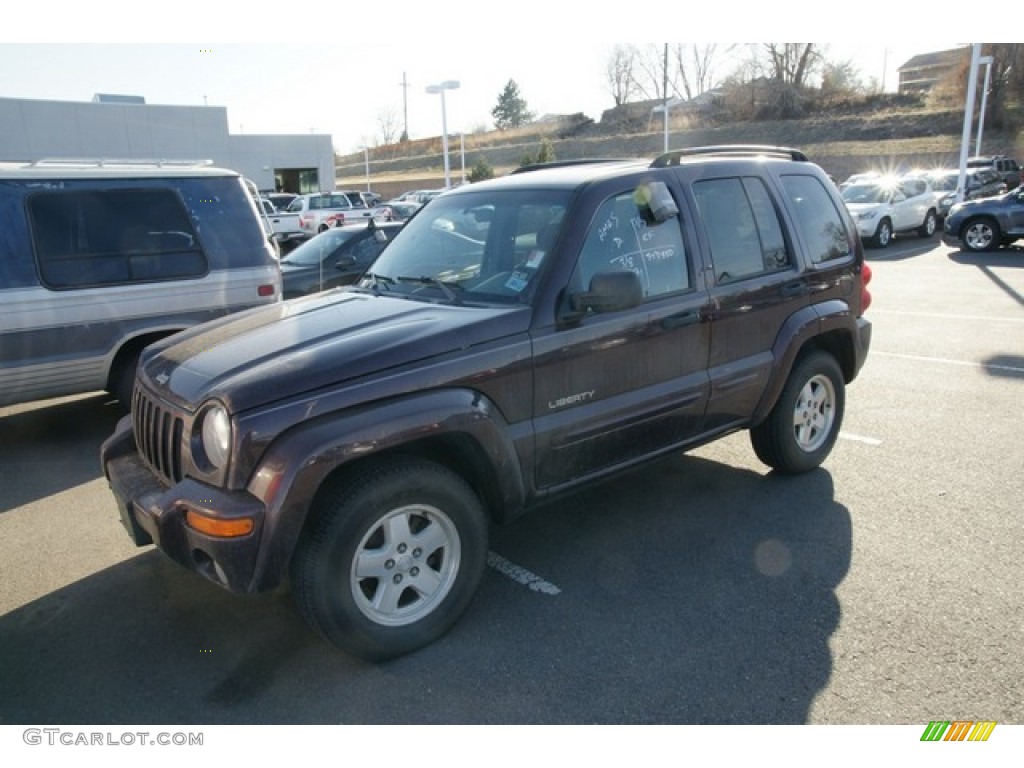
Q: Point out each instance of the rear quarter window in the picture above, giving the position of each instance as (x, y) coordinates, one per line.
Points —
(817, 218)
(87, 238)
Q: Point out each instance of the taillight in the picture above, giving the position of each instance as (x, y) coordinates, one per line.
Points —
(265, 290)
(865, 294)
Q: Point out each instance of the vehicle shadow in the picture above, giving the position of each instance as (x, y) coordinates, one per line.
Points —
(703, 593)
(1007, 366)
(687, 592)
(1005, 257)
(900, 249)
(34, 436)
(1008, 256)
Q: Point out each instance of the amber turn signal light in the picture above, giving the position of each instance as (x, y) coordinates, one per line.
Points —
(223, 529)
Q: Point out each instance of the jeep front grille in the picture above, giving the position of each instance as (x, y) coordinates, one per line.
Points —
(158, 432)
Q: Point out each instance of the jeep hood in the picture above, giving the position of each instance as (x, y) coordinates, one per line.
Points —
(272, 353)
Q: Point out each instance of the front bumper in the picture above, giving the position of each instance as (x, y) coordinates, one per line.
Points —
(867, 227)
(153, 513)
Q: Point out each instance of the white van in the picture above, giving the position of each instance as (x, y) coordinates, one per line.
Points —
(100, 258)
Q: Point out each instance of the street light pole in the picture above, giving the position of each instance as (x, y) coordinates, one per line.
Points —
(447, 85)
(965, 138)
(366, 160)
(462, 149)
(987, 61)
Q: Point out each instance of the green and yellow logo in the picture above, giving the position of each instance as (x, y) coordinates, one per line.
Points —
(958, 730)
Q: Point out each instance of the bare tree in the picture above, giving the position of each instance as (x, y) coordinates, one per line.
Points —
(1006, 80)
(654, 79)
(793, 63)
(387, 122)
(619, 72)
(695, 67)
(791, 67)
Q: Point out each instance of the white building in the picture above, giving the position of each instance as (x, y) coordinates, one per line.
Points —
(113, 126)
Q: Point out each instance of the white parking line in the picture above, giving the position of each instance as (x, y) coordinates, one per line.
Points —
(519, 574)
(859, 438)
(946, 316)
(947, 361)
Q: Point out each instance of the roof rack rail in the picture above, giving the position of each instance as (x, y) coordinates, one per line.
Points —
(102, 162)
(566, 163)
(673, 157)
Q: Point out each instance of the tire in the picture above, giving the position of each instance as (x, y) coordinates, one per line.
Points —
(980, 235)
(803, 426)
(122, 379)
(930, 224)
(391, 558)
(883, 235)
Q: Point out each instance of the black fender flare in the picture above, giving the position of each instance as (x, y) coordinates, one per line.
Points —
(299, 461)
(800, 330)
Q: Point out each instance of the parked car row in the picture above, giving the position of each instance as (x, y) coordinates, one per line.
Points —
(978, 182)
(918, 201)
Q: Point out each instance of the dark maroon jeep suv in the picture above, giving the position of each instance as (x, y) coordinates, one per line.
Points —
(519, 338)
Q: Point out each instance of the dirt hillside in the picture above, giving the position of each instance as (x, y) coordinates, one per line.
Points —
(885, 139)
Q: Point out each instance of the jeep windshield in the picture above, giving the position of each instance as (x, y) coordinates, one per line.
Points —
(472, 247)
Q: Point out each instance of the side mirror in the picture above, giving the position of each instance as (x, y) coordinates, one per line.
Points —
(655, 202)
(610, 292)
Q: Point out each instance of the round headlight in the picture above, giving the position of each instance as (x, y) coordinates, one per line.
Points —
(217, 436)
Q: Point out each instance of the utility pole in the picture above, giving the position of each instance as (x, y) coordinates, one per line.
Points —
(405, 107)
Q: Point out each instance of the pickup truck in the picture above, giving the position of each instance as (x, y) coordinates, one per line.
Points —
(281, 227)
(519, 338)
(320, 211)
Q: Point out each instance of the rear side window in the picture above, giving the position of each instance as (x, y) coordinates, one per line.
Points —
(818, 219)
(109, 237)
(742, 226)
(913, 187)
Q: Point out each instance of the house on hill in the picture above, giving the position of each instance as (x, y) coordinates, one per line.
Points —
(923, 72)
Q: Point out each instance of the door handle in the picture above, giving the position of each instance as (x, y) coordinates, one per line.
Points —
(681, 320)
(795, 289)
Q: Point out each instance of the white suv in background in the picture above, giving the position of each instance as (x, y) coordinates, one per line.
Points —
(320, 211)
(882, 207)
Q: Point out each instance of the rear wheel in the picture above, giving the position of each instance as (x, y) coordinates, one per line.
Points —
(803, 426)
(391, 558)
(980, 235)
(930, 224)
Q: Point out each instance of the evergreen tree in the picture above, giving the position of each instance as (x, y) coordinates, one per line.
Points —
(481, 170)
(511, 110)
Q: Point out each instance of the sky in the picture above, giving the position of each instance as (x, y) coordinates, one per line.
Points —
(314, 68)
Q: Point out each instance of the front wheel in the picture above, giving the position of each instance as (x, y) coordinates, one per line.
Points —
(883, 234)
(803, 426)
(391, 558)
(980, 235)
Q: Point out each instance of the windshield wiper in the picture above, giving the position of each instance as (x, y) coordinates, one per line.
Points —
(376, 281)
(444, 287)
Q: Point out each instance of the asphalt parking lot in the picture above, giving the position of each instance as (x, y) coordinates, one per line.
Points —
(883, 588)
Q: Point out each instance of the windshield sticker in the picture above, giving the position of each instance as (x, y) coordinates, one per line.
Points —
(535, 258)
(517, 282)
